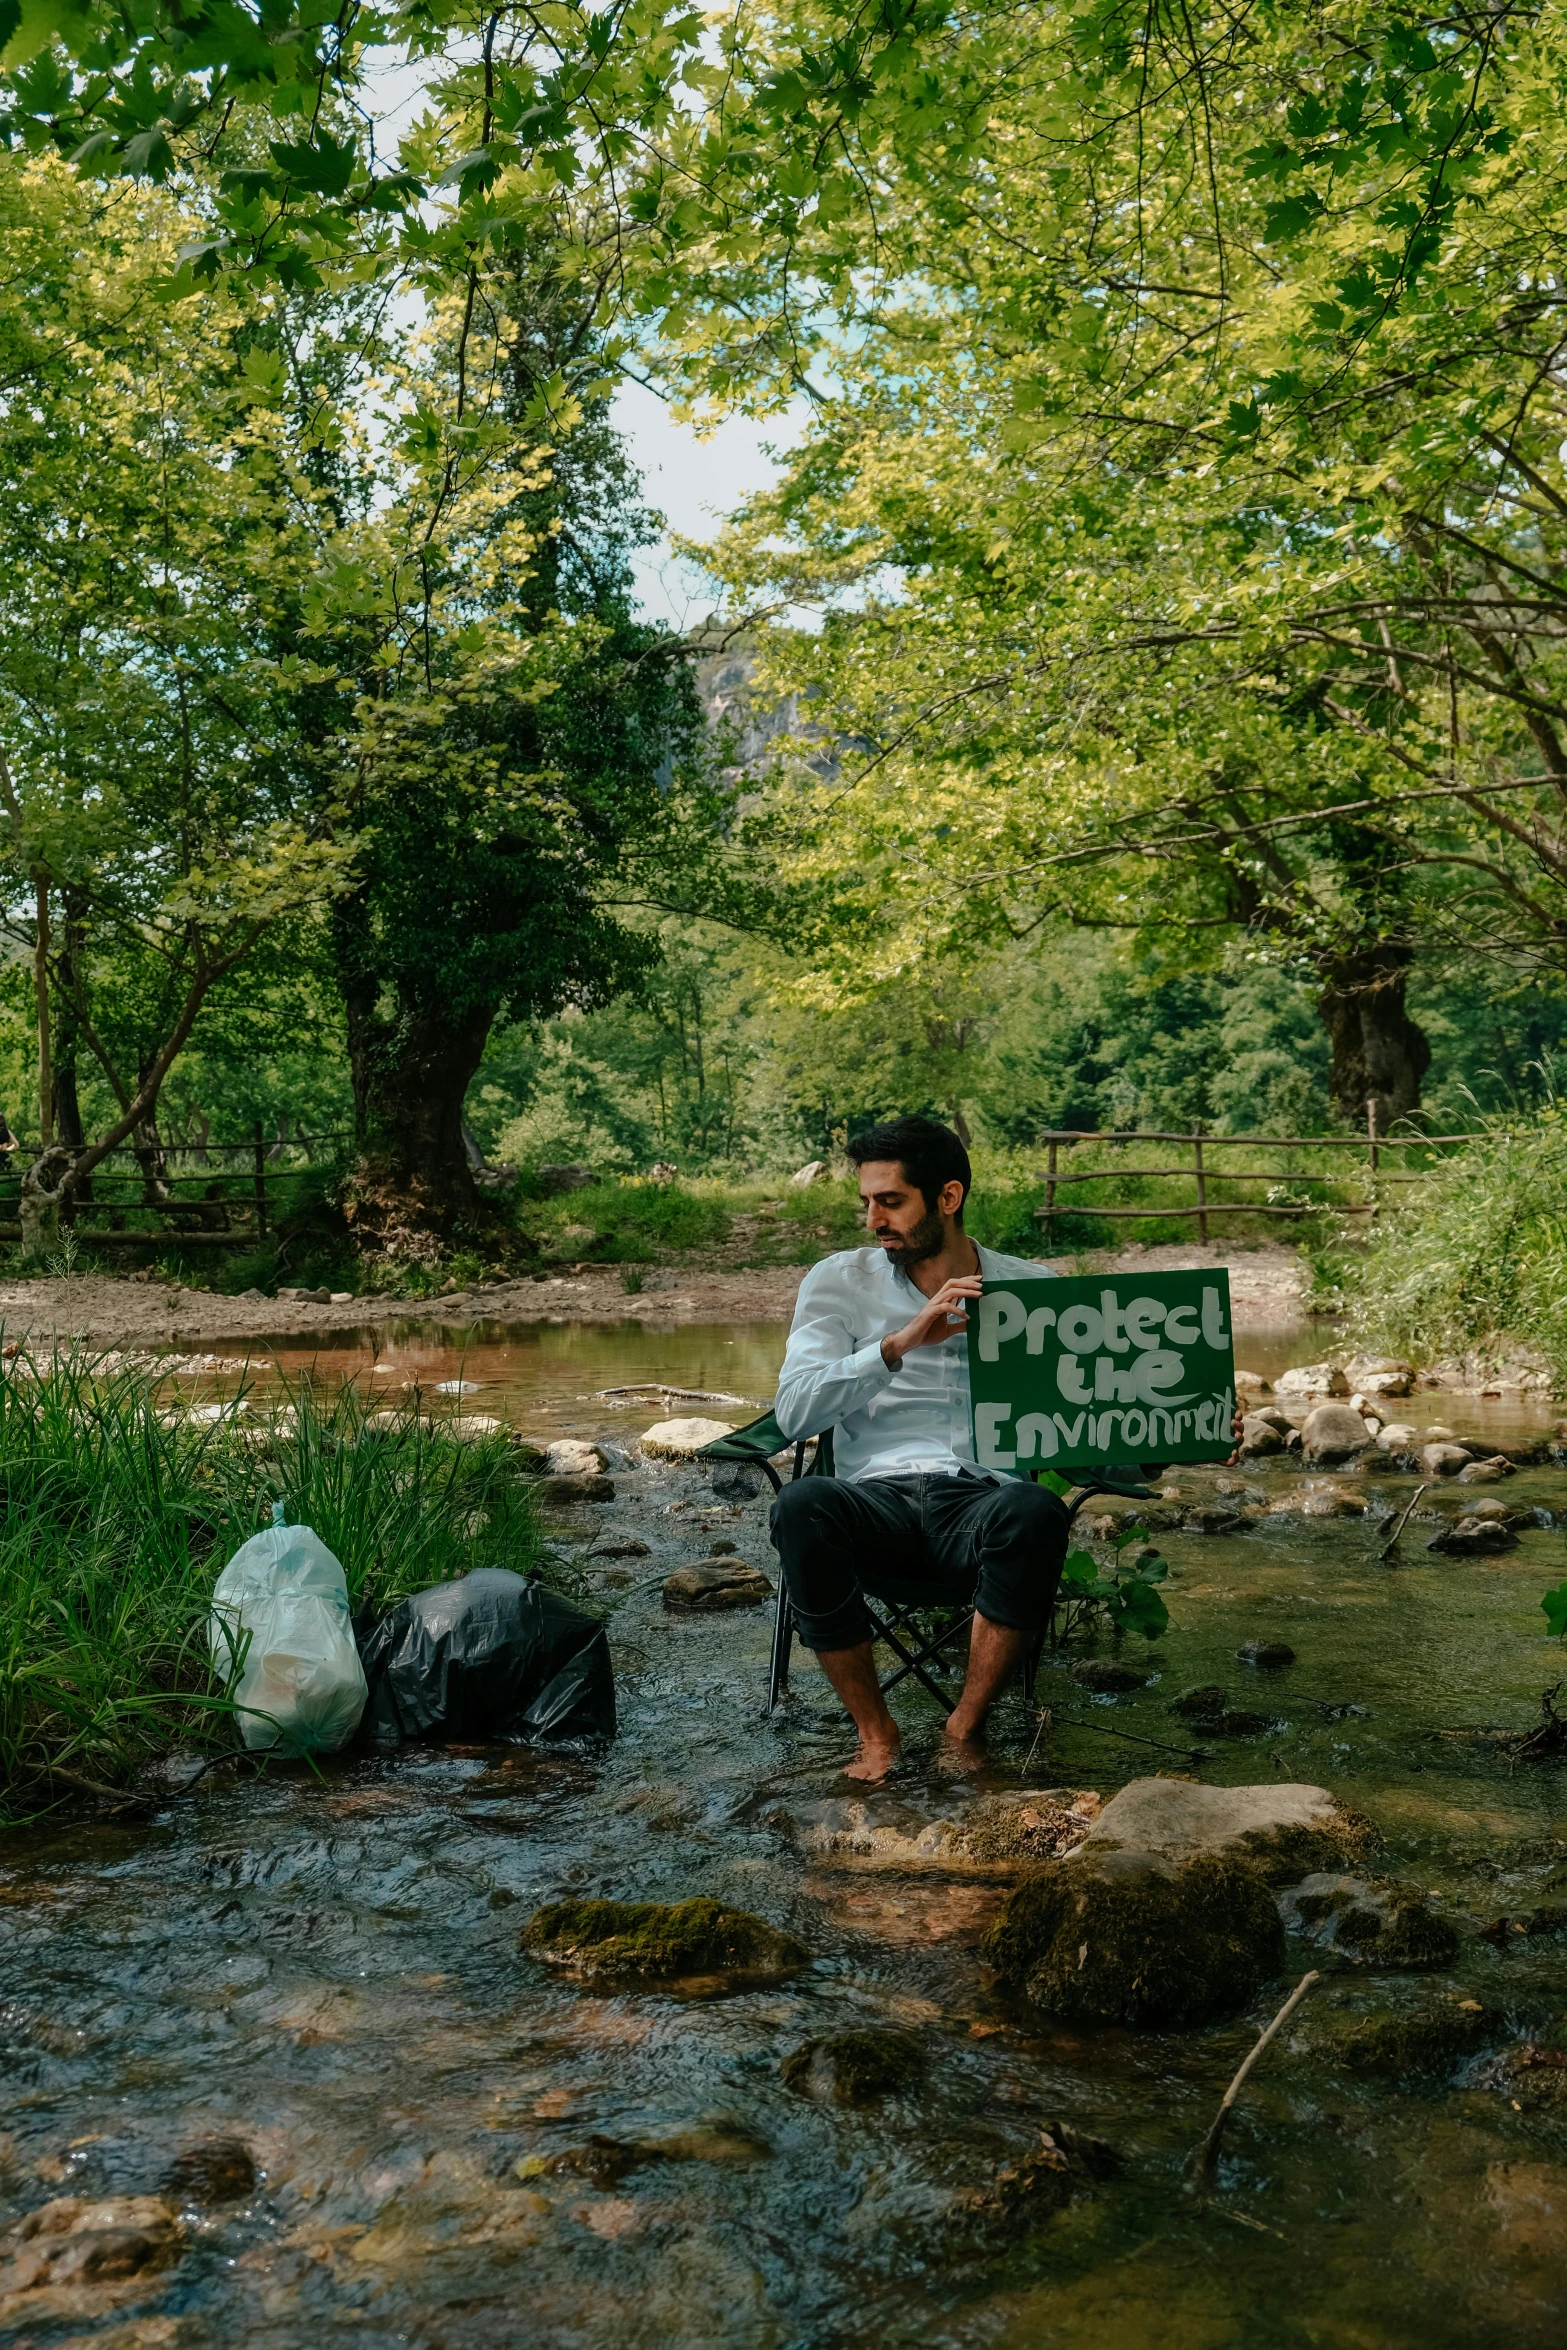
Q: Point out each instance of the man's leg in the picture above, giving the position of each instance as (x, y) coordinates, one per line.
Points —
(821, 1531)
(1012, 1537)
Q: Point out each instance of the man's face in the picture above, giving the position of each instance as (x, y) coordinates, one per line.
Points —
(897, 1215)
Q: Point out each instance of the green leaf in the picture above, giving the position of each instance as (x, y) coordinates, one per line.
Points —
(1290, 218)
(1079, 1568)
(1142, 1610)
(322, 165)
(1555, 1605)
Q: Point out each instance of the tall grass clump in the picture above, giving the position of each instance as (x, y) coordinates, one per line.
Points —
(1477, 1261)
(116, 1515)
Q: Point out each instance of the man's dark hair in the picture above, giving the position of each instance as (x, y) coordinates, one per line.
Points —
(929, 1153)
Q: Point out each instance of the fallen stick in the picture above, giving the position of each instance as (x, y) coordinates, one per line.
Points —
(1080, 1722)
(1391, 1543)
(1208, 2151)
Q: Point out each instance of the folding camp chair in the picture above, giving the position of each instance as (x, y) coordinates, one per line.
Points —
(895, 1612)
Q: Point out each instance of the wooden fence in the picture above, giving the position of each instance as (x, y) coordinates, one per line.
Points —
(1203, 1172)
(219, 1206)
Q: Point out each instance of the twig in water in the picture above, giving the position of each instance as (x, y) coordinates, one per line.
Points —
(1208, 2151)
(1191, 1753)
(1391, 1543)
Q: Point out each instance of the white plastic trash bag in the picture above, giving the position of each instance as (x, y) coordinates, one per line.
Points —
(300, 1685)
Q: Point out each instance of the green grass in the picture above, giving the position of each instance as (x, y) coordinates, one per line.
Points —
(1476, 1258)
(119, 1513)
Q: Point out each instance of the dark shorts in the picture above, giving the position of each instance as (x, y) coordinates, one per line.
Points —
(997, 1542)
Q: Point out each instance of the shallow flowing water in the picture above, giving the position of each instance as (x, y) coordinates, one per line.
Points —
(329, 1970)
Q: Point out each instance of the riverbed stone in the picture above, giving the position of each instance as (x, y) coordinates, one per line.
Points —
(1374, 1922)
(1106, 1677)
(619, 1546)
(657, 1941)
(1196, 1703)
(678, 1440)
(1064, 2164)
(73, 2256)
(1474, 1537)
(855, 2067)
(1265, 1656)
(1332, 1432)
(1250, 1383)
(1327, 1501)
(559, 1493)
(1127, 1936)
(569, 1456)
(738, 1480)
(1259, 1436)
(1380, 1374)
(1436, 2038)
(214, 2170)
(1285, 1831)
(1397, 1436)
(1485, 1472)
(994, 1836)
(714, 1585)
(1444, 1460)
(1312, 1379)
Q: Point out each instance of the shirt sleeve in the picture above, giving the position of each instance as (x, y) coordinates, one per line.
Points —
(825, 1373)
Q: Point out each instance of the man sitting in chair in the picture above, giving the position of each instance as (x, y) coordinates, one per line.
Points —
(878, 1353)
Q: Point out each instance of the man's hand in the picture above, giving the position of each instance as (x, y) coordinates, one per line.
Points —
(942, 1319)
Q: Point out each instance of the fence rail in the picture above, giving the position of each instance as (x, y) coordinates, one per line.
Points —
(231, 1209)
(1201, 1171)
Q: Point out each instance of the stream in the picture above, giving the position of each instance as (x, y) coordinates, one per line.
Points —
(328, 1971)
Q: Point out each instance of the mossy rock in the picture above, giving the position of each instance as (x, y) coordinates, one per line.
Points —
(1064, 2164)
(660, 1941)
(1379, 1924)
(1432, 2040)
(854, 2067)
(1128, 1938)
(1294, 1850)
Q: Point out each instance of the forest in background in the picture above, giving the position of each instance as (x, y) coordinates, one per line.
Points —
(1181, 735)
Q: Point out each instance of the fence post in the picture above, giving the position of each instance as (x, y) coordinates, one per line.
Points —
(258, 1146)
(1202, 1185)
(1050, 1190)
(1371, 1139)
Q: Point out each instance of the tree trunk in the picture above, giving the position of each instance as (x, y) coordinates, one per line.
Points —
(413, 1186)
(1379, 1053)
(67, 1040)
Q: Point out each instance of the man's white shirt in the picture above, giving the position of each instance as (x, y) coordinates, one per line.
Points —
(915, 1419)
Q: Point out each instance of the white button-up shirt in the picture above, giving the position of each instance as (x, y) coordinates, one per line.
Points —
(885, 1423)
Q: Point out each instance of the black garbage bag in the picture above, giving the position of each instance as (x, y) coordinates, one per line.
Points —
(489, 1656)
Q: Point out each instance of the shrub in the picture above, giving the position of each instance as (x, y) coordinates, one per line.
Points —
(1478, 1259)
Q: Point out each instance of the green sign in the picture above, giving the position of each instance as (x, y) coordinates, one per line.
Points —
(1073, 1374)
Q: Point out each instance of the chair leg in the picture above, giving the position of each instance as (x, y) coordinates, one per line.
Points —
(783, 1642)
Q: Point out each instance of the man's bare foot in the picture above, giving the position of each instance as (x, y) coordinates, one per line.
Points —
(961, 1749)
(873, 1761)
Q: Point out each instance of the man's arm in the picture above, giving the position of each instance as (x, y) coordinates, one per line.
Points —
(825, 1373)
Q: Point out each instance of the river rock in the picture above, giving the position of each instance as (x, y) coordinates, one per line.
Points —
(559, 1493)
(214, 2170)
(469, 1427)
(1323, 1500)
(1312, 1379)
(1266, 1656)
(738, 1480)
(713, 1585)
(1443, 1460)
(620, 1546)
(677, 1440)
(1248, 1383)
(993, 1837)
(1332, 1432)
(1397, 1436)
(1437, 2038)
(1128, 1936)
(1259, 1436)
(804, 1177)
(1488, 1472)
(1195, 1705)
(569, 1456)
(76, 2244)
(1472, 1537)
(656, 1941)
(1106, 1678)
(1380, 1374)
(1064, 2164)
(1285, 1831)
(1378, 1924)
(853, 2067)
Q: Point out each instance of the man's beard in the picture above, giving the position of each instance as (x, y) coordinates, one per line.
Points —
(926, 1240)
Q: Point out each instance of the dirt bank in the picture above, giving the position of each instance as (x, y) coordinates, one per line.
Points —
(1265, 1284)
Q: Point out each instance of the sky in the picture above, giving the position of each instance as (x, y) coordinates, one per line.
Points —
(693, 480)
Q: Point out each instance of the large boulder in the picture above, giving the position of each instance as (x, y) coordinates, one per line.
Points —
(1165, 1913)
(1332, 1432)
(1128, 1937)
(680, 1440)
(1286, 1831)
